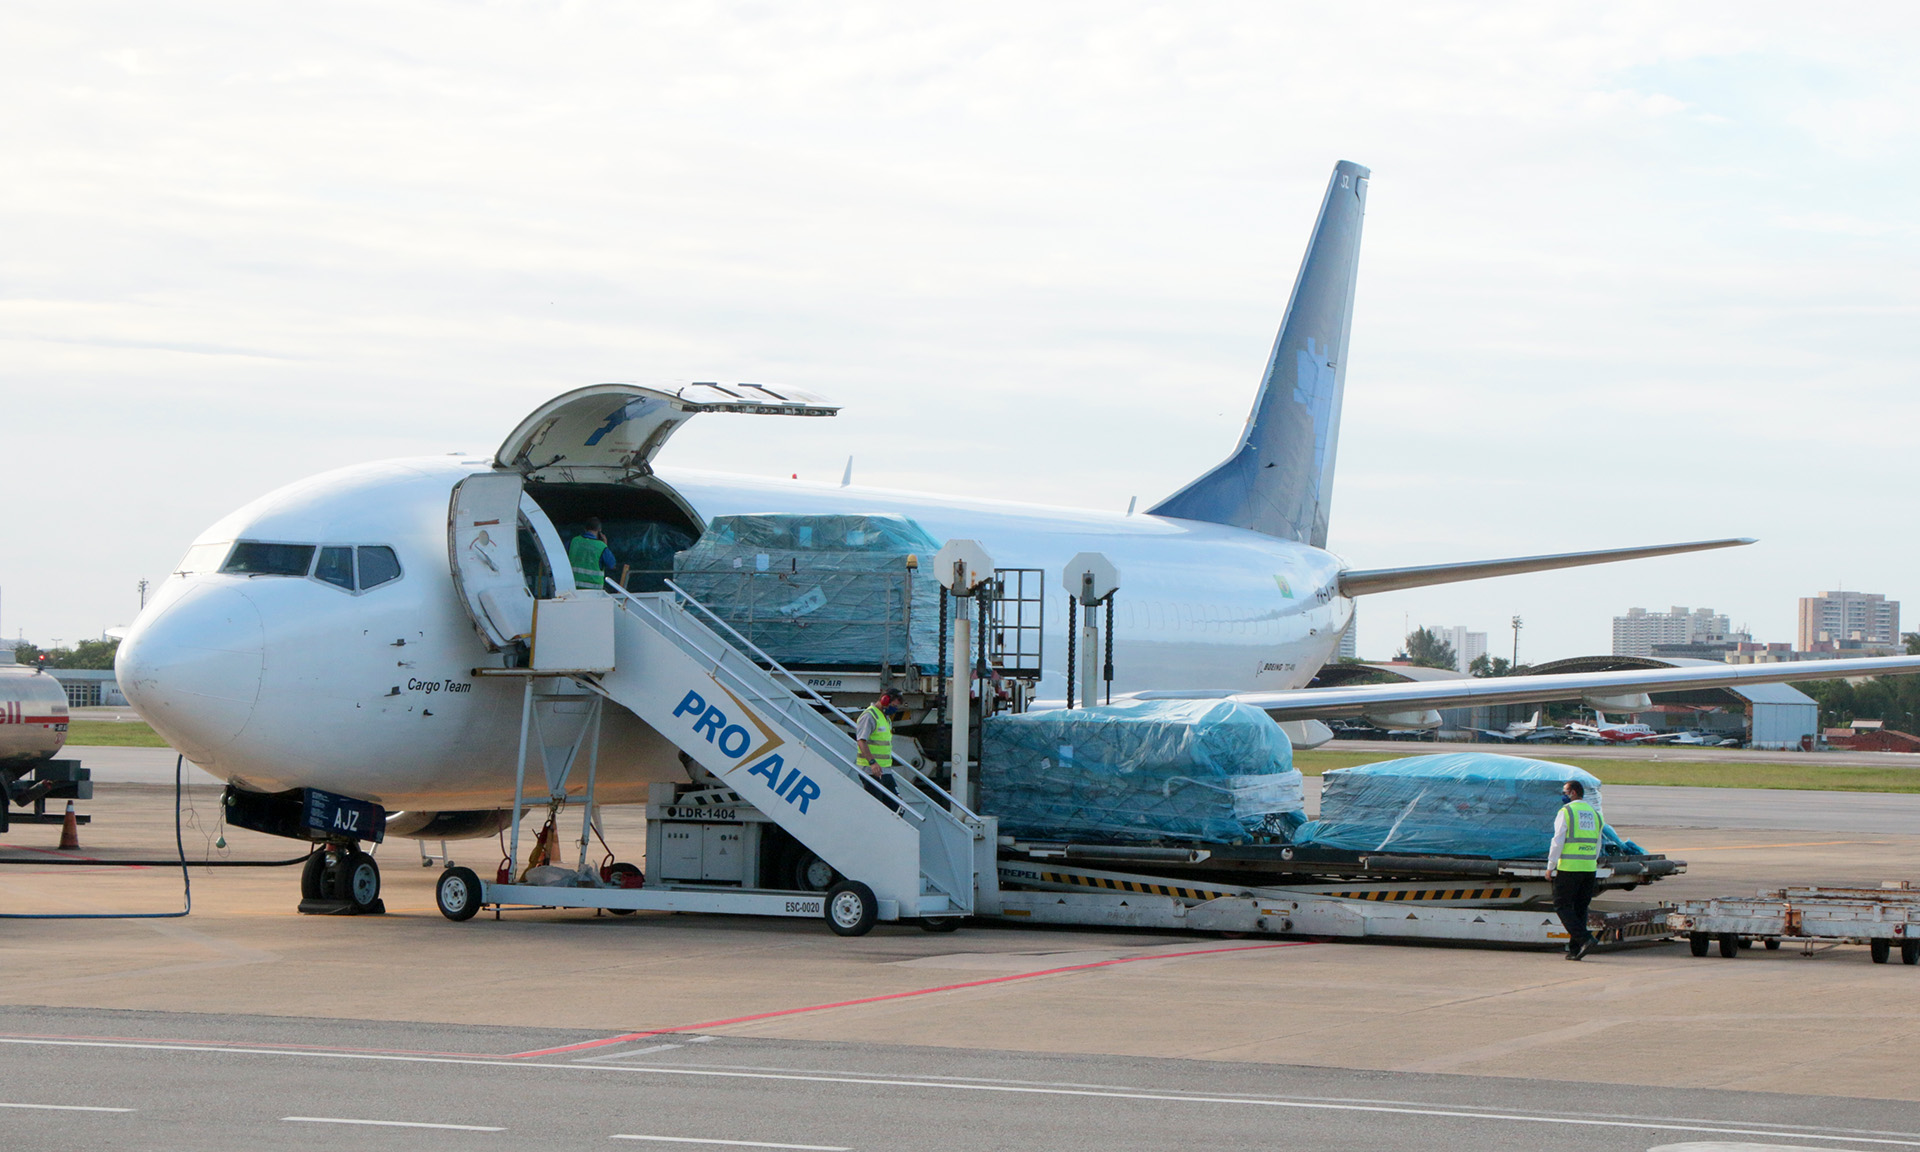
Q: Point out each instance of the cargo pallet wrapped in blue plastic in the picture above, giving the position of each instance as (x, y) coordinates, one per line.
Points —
(1195, 770)
(820, 590)
(1463, 804)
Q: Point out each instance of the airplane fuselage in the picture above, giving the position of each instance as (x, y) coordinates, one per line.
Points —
(283, 681)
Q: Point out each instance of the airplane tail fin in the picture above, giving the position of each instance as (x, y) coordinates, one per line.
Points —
(1279, 479)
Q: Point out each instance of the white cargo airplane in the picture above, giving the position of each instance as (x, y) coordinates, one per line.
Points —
(327, 635)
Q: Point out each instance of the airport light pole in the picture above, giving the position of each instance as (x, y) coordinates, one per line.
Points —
(1516, 646)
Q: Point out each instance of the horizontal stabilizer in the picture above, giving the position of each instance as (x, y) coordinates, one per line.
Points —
(1366, 581)
(1342, 703)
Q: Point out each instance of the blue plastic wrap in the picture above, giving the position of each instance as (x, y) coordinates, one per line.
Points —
(820, 590)
(1208, 770)
(1463, 804)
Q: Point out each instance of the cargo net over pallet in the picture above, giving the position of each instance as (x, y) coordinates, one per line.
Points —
(820, 591)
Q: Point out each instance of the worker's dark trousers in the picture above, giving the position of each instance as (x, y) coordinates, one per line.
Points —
(1572, 892)
(883, 789)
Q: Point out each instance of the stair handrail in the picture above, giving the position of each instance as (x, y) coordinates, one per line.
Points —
(954, 806)
(840, 757)
(761, 653)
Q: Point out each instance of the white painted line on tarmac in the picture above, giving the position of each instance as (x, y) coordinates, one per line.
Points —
(732, 1143)
(66, 1107)
(1708, 1127)
(388, 1123)
(629, 1052)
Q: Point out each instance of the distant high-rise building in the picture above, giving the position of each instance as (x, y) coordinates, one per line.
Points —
(1639, 630)
(1350, 639)
(1833, 617)
(1467, 646)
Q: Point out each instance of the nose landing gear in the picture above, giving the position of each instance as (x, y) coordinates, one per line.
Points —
(340, 880)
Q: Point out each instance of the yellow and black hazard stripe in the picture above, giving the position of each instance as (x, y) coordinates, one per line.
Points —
(1133, 886)
(1430, 894)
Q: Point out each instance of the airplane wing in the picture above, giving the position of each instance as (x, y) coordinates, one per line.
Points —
(1367, 581)
(1340, 703)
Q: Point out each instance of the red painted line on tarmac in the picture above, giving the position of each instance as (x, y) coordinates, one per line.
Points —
(269, 1046)
(707, 1024)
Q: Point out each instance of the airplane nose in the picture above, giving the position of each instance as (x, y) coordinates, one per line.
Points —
(191, 667)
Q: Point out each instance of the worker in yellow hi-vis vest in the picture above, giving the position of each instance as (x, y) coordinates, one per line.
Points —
(873, 732)
(1573, 861)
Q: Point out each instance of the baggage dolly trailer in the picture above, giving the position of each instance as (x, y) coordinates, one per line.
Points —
(1880, 918)
(1071, 895)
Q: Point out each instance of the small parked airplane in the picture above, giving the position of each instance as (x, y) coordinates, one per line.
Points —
(1613, 733)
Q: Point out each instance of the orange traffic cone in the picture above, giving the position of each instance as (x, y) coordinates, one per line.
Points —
(70, 831)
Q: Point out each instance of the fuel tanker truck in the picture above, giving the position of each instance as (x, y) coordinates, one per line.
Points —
(33, 727)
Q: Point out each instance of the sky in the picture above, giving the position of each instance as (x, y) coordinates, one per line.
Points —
(1632, 273)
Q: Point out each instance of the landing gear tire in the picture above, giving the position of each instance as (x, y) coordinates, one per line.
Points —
(1697, 943)
(1729, 945)
(360, 882)
(617, 875)
(458, 893)
(941, 923)
(812, 874)
(313, 876)
(851, 909)
(1910, 951)
(1880, 950)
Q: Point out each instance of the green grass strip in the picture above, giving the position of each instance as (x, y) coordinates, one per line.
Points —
(1678, 773)
(113, 734)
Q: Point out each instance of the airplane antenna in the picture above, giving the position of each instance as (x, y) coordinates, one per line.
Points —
(846, 478)
(1131, 501)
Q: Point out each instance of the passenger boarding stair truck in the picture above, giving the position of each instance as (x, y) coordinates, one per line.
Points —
(782, 750)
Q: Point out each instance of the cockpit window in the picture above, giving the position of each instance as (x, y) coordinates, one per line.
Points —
(378, 565)
(203, 558)
(253, 558)
(335, 567)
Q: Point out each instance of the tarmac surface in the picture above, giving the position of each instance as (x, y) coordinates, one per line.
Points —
(249, 1082)
(991, 1037)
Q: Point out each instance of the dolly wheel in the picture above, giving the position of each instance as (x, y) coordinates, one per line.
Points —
(941, 923)
(1880, 950)
(851, 909)
(1729, 945)
(618, 875)
(1910, 951)
(1697, 943)
(458, 893)
(1773, 945)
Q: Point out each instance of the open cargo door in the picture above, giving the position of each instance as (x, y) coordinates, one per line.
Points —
(622, 426)
(483, 543)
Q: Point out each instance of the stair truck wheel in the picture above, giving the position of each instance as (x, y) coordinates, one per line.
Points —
(1910, 951)
(1697, 943)
(360, 880)
(619, 875)
(812, 874)
(851, 909)
(1880, 950)
(458, 893)
(1729, 945)
(313, 875)
(941, 923)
